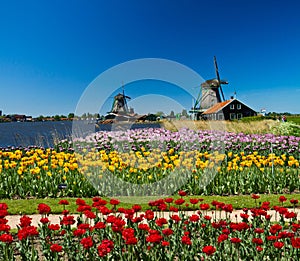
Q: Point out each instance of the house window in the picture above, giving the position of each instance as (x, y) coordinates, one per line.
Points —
(239, 115)
(221, 117)
(214, 117)
(231, 106)
(232, 116)
(239, 106)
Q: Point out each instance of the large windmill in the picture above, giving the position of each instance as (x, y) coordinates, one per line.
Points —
(210, 93)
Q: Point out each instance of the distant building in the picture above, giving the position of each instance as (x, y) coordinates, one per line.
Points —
(149, 117)
(18, 117)
(232, 109)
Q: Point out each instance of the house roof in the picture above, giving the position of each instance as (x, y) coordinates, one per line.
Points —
(217, 107)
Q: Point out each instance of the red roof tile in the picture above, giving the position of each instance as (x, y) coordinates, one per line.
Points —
(217, 107)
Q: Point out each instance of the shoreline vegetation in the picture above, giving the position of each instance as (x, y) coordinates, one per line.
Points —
(248, 125)
(26, 118)
(295, 118)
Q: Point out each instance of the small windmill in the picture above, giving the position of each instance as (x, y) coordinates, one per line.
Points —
(210, 93)
(120, 103)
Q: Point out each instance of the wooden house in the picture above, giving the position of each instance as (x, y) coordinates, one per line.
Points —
(232, 109)
(211, 103)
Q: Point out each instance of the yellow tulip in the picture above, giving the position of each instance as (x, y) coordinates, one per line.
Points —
(111, 168)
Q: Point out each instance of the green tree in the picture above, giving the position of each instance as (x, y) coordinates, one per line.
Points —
(40, 118)
(184, 113)
(159, 113)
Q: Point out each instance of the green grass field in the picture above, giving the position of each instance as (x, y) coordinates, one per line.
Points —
(29, 206)
(294, 119)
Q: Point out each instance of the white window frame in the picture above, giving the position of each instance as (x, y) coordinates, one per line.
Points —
(239, 116)
(239, 106)
(220, 117)
(232, 106)
(232, 116)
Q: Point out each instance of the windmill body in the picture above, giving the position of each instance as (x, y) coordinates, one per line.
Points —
(210, 94)
(120, 113)
(119, 110)
(120, 104)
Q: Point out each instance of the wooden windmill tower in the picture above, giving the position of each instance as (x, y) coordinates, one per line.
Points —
(210, 93)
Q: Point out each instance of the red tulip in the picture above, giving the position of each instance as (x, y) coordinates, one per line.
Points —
(182, 193)
(278, 244)
(295, 242)
(282, 199)
(209, 250)
(255, 196)
(235, 240)
(56, 248)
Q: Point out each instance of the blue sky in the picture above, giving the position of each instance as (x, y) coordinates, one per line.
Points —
(50, 51)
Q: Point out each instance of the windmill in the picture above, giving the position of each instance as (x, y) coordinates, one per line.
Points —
(210, 93)
(120, 103)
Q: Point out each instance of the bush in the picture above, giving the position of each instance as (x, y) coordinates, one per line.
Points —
(257, 118)
(286, 128)
(294, 119)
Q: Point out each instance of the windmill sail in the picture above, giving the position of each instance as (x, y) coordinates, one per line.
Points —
(218, 78)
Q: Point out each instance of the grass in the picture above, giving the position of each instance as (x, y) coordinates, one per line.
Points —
(29, 206)
(294, 119)
(257, 127)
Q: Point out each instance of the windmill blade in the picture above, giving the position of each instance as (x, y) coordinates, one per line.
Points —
(218, 77)
(217, 70)
(223, 97)
(125, 99)
(197, 101)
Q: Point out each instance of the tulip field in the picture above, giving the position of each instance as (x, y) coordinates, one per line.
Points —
(238, 163)
(106, 232)
(193, 163)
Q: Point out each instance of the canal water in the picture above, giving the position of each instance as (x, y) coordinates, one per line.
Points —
(48, 133)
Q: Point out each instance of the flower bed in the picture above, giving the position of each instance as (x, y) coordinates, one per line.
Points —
(241, 164)
(102, 233)
(186, 139)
